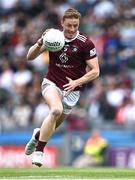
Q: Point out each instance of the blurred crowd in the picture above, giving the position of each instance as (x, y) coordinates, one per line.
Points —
(109, 100)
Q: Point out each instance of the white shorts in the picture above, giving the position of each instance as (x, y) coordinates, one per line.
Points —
(68, 101)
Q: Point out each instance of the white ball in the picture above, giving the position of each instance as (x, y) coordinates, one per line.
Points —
(54, 40)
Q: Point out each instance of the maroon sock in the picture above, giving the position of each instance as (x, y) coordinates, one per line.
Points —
(40, 146)
(37, 135)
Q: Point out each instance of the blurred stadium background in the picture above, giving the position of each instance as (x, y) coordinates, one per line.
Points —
(107, 104)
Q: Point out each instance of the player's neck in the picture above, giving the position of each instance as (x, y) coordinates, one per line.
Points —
(69, 40)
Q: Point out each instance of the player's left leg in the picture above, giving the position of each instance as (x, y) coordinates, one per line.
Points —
(60, 120)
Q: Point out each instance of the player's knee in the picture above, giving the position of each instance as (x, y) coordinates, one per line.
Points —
(57, 112)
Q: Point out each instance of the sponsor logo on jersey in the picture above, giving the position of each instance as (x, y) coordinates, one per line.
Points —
(64, 66)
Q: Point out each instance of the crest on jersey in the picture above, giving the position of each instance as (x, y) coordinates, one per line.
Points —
(93, 52)
(74, 49)
(63, 57)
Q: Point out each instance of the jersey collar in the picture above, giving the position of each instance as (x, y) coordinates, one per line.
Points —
(70, 40)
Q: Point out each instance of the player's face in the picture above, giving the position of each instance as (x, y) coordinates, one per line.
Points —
(70, 27)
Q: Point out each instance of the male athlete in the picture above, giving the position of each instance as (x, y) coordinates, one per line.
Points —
(69, 70)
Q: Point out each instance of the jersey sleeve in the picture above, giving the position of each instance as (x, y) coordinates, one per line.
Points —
(89, 50)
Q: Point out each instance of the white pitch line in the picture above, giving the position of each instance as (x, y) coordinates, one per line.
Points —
(60, 177)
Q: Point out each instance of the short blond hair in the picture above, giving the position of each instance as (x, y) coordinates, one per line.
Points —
(71, 13)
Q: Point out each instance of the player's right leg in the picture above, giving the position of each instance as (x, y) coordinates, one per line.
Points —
(31, 145)
(53, 99)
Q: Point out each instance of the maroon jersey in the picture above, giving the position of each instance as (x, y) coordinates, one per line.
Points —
(71, 60)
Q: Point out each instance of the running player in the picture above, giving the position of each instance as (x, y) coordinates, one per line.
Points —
(64, 80)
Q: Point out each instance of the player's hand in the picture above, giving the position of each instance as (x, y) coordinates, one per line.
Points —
(70, 86)
(40, 40)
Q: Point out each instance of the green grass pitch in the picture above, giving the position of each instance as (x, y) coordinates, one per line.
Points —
(66, 173)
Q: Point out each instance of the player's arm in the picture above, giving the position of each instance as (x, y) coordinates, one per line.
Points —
(36, 49)
(91, 74)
